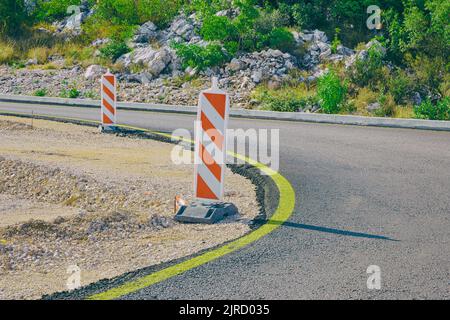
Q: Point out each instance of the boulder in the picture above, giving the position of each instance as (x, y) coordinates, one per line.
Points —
(159, 62)
(146, 32)
(93, 71)
(372, 107)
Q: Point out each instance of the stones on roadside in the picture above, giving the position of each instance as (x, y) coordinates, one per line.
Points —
(93, 72)
(373, 107)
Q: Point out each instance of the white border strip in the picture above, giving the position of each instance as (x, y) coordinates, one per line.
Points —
(251, 114)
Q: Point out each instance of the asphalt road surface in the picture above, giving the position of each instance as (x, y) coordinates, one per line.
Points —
(364, 196)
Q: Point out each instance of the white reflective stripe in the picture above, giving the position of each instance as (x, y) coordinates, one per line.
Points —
(108, 114)
(107, 84)
(213, 116)
(108, 99)
(210, 146)
(209, 179)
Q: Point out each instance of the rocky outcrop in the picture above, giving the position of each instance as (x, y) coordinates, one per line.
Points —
(318, 49)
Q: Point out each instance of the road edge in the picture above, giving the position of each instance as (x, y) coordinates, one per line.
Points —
(285, 208)
(244, 113)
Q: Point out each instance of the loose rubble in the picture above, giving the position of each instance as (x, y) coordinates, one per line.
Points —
(67, 200)
(152, 72)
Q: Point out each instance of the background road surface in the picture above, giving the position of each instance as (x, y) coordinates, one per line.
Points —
(365, 196)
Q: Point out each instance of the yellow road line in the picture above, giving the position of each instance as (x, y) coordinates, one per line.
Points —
(282, 213)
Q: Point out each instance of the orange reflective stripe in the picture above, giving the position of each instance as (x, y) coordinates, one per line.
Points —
(108, 106)
(203, 191)
(212, 132)
(210, 163)
(107, 120)
(109, 93)
(218, 101)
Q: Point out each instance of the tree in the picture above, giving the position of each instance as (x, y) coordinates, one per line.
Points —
(13, 17)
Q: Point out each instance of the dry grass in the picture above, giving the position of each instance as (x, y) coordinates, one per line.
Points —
(7, 52)
(41, 54)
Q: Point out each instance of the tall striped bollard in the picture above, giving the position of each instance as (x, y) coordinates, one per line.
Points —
(109, 101)
(210, 143)
(210, 156)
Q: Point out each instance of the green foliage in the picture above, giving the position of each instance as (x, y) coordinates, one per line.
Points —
(428, 73)
(281, 38)
(114, 50)
(367, 71)
(219, 28)
(440, 111)
(201, 58)
(331, 92)
(128, 12)
(40, 93)
(13, 17)
(387, 106)
(400, 86)
(205, 8)
(70, 93)
(51, 10)
(269, 20)
(336, 42)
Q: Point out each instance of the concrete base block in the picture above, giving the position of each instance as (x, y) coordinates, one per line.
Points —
(205, 212)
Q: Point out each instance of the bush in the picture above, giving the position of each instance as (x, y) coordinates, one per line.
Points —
(281, 38)
(51, 10)
(218, 28)
(114, 50)
(201, 58)
(331, 92)
(440, 111)
(387, 106)
(13, 17)
(267, 21)
(40, 93)
(7, 53)
(40, 54)
(71, 93)
(126, 12)
(399, 86)
(367, 71)
(336, 42)
(284, 104)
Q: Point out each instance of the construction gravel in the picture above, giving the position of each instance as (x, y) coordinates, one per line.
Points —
(71, 196)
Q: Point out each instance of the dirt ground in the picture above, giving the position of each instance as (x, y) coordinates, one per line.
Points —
(71, 196)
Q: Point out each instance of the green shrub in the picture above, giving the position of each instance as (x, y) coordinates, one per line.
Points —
(387, 106)
(440, 111)
(269, 20)
(331, 92)
(367, 71)
(336, 42)
(71, 93)
(51, 10)
(40, 93)
(399, 85)
(114, 50)
(126, 12)
(281, 38)
(284, 104)
(198, 57)
(13, 17)
(218, 28)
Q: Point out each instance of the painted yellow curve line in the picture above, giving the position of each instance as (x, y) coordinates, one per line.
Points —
(284, 210)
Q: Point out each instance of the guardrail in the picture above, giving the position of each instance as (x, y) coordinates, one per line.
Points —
(244, 113)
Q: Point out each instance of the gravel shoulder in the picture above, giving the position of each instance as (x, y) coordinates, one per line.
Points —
(72, 196)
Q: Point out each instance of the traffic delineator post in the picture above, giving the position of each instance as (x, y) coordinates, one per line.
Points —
(210, 143)
(108, 101)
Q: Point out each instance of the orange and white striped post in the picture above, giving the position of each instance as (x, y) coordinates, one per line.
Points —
(210, 143)
(109, 100)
